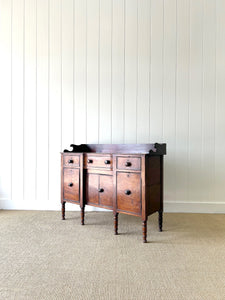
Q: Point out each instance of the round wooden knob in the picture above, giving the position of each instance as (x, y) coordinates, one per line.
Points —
(128, 164)
(127, 192)
(70, 184)
(101, 190)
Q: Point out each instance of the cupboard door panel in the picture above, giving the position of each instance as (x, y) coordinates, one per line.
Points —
(106, 190)
(129, 192)
(92, 188)
(71, 184)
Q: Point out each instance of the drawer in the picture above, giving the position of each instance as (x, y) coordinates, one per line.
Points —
(71, 184)
(97, 161)
(128, 163)
(71, 161)
(128, 192)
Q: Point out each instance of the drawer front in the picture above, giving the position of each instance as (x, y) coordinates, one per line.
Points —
(106, 190)
(92, 161)
(128, 163)
(129, 192)
(71, 184)
(71, 161)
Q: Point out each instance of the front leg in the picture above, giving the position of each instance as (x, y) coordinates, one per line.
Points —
(144, 230)
(63, 210)
(82, 215)
(116, 223)
(160, 212)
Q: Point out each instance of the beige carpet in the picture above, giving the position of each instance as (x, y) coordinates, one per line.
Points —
(43, 257)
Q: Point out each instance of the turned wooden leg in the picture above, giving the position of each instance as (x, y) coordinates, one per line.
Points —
(63, 210)
(160, 219)
(116, 223)
(144, 230)
(82, 216)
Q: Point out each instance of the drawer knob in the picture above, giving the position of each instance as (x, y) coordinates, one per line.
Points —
(127, 192)
(70, 161)
(90, 161)
(101, 190)
(128, 164)
(70, 184)
(107, 162)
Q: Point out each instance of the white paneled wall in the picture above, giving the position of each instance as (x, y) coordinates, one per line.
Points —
(112, 71)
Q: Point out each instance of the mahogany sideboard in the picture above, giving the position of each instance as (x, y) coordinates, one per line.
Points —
(125, 178)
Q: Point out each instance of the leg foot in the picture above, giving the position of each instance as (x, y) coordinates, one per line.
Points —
(63, 210)
(82, 216)
(116, 223)
(160, 219)
(144, 230)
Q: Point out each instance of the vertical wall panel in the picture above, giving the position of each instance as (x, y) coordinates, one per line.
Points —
(131, 40)
(92, 70)
(143, 61)
(17, 100)
(182, 99)
(105, 72)
(67, 73)
(169, 96)
(55, 88)
(156, 87)
(5, 99)
(209, 101)
(220, 104)
(195, 101)
(80, 71)
(30, 101)
(42, 100)
(118, 72)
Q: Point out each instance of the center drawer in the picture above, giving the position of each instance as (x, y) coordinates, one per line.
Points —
(97, 161)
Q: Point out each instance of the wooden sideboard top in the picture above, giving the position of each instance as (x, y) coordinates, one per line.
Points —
(151, 149)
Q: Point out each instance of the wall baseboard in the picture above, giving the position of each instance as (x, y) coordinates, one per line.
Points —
(172, 207)
(194, 207)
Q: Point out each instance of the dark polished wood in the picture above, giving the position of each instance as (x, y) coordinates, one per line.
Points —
(71, 161)
(97, 161)
(105, 191)
(82, 215)
(160, 212)
(71, 184)
(144, 231)
(63, 210)
(125, 178)
(153, 149)
(128, 163)
(116, 223)
(129, 192)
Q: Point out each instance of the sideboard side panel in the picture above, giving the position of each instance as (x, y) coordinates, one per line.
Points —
(153, 184)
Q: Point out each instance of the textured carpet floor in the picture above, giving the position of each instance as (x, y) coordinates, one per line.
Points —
(43, 257)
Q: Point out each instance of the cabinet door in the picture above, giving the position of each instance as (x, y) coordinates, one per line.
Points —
(129, 192)
(92, 188)
(71, 184)
(106, 190)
